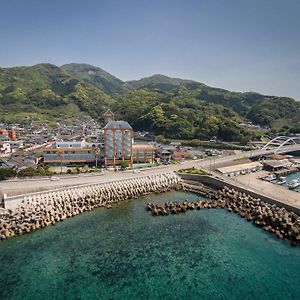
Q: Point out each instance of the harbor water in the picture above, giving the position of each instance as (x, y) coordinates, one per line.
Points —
(291, 177)
(126, 253)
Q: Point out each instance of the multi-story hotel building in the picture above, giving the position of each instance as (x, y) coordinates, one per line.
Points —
(118, 140)
(116, 145)
(119, 144)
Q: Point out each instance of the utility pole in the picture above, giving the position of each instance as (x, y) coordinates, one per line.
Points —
(96, 157)
(61, 159)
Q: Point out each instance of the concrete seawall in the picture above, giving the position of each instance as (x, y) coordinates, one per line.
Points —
(218, 183)
(12, 202)
(38, 210)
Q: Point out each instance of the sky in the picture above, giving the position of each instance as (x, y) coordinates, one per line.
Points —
(240, 45)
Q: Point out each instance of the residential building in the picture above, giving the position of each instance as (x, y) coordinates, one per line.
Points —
(143, 153)
(164, 153)
(72, 152)
(180, 154)
(5, 148)
(11, 134)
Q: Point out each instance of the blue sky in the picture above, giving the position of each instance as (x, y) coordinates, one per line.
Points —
(239, 45)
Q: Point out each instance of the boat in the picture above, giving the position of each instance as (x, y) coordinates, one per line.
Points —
(270, 177)
(294, 184)
(281, 181)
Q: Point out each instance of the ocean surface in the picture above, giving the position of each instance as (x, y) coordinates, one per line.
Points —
(126, 253)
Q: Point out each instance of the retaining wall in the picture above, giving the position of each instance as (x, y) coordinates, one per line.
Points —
(13, 201)
(219, 183)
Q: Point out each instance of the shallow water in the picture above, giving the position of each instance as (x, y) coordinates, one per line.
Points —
(125, 253)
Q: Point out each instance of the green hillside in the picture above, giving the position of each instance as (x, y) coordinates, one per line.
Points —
(280, 113)
(91, 74)
(171, 107)
(46, 92)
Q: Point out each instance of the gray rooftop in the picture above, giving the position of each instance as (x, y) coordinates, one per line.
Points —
(117, 125)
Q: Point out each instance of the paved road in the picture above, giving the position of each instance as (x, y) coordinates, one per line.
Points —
(26, 186)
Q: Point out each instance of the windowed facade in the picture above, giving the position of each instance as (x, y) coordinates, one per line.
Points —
(118, 139)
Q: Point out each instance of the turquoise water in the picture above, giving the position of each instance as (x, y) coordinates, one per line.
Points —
(125, 253)
(291, 177)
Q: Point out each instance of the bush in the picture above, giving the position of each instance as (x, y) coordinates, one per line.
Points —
(7, 173)
(28, 172)
(124, 164)
(194, 171)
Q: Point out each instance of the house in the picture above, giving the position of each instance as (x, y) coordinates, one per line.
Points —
(164, 153)
(5, 148)
(180, 154)
(10, 134)
(6, 164)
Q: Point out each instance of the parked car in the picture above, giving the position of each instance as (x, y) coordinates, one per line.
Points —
(54, 178)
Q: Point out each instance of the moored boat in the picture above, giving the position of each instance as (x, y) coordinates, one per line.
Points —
(294, 184)
(281, 181)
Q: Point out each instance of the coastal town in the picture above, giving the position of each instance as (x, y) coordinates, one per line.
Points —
(149, 150)
(60, 151)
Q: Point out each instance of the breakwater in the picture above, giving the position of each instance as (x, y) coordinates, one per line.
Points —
(41, 210)
(279, 221)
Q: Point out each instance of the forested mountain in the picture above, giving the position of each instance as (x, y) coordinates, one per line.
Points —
(91, 74)
(172, 107)
(46, 92)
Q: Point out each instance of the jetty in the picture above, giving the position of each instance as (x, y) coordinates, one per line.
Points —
(279, 221)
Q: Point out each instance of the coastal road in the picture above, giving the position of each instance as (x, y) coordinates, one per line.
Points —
(20, 186)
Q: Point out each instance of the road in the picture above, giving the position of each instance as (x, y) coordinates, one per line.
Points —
(25, 186)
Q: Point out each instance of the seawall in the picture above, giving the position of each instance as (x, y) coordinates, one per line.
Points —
(37, 210)
(218, 183)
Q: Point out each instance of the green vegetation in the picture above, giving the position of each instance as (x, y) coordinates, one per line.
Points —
(41, 170)
(194, 171)
(172, 108)
(7, 173)
(91, 74)
(198, 143)
(46, 93)
(124, 164)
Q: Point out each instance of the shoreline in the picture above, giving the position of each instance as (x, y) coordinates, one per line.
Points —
(41, 210)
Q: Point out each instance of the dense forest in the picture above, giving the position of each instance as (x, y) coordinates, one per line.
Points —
(171, 107)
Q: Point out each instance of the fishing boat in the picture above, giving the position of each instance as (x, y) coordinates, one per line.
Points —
(294, 184)
(281, 181)
(270, 177)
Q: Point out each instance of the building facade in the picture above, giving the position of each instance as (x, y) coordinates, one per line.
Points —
(72, 152)
(5, 148)
(143, 153)
(11, 134)
(118, 140)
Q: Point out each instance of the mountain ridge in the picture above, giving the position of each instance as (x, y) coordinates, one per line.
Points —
(174, 107)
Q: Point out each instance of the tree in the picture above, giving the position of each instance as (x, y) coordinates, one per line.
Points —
(6, 173)
(124, 164)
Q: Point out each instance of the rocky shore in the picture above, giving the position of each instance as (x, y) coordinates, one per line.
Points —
(41, 210)
(282, 223)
